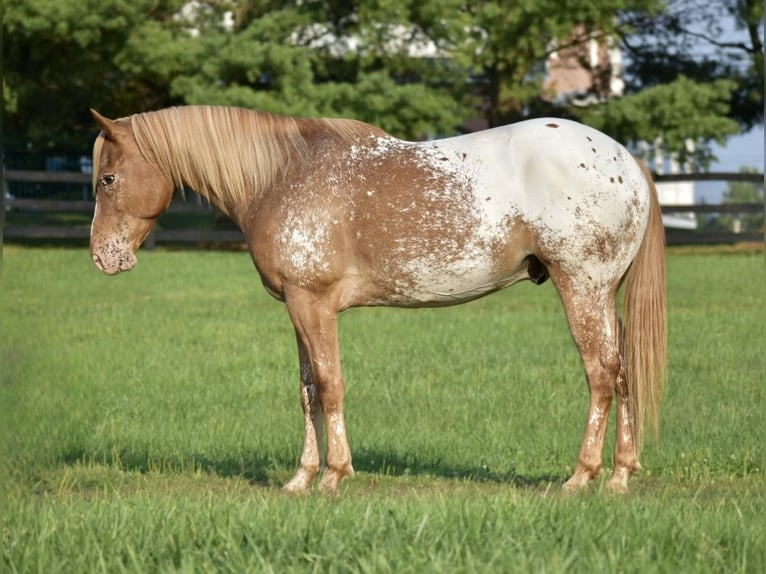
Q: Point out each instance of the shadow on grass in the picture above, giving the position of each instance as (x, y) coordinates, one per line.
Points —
(260, 470)
(253, 469)
(410, 464)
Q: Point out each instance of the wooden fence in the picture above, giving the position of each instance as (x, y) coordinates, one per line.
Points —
(224, 236)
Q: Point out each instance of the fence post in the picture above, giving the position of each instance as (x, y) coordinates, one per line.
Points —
(151, 240)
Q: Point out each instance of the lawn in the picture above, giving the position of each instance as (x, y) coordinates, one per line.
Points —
(149, 420)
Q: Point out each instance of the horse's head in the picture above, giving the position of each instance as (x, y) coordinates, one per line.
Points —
(130, 194)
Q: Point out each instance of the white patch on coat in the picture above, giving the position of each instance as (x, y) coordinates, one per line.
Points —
(303, 240)
(462, 268)
(579, 190)
(337, 429)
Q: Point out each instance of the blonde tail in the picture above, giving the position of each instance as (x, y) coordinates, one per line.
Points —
(645, 345)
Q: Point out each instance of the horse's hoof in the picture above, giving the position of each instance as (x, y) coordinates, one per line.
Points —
(618, 482)
(578, 482)
(299, 485)
(572, 489)
(616, 486)
(329, 484)
(332, 479)
(295, 490)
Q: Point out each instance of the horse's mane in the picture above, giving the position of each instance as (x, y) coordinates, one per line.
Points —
(227, 153)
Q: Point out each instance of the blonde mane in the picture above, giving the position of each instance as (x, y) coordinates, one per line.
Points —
(226, 153)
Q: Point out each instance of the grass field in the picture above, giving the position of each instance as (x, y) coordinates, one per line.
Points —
(148, 421)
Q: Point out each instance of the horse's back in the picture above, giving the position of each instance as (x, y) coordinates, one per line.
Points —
(578, 191)
(544, 166)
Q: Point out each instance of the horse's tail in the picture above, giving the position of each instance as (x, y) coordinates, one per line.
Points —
(645, 344)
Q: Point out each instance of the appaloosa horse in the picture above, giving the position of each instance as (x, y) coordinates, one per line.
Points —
(339, 214)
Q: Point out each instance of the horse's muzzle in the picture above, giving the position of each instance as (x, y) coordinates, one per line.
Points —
(114, 265)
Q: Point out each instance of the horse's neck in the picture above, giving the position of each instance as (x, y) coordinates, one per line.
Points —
(225, 205)
(214, 179)
(234, 178)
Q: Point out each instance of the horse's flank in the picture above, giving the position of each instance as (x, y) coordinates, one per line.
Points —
(230, 154)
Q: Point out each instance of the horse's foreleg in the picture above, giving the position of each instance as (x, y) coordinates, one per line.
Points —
(592, 322)
(316, 325)
(311, 459)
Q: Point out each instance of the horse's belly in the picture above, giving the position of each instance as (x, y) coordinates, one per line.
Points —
(445, 278)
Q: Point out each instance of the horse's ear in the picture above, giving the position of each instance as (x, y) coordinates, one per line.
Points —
(109, 126)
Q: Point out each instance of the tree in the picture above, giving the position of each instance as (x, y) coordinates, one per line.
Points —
(701, 40)
(61, 57)
(417, 68)
(669, 115)
(694, 72)
(298, 59)
(504, 45)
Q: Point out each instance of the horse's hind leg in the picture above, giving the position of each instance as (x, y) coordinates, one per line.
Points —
(625, 449)
(592, 317)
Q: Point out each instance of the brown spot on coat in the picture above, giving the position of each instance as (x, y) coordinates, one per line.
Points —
(551, 125)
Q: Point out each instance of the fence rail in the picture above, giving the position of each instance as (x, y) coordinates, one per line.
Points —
(79, 177)
(27, 176)
(674, 237)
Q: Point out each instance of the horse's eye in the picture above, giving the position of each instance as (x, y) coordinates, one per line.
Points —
(107, 180)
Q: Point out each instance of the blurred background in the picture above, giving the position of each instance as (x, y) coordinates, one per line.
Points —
(679, 81)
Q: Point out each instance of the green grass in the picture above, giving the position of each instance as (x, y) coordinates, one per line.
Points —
(148, 421)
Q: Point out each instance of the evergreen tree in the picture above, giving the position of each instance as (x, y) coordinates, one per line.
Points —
(417, 68)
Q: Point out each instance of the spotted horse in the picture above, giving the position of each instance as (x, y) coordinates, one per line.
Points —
(339, 214)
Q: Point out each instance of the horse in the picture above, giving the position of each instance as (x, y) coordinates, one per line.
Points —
(339, 214)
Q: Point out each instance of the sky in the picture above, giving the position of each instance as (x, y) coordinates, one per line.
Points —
(744, 150)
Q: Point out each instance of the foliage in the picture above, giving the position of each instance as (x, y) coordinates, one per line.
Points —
(268, 63)
(673, 112)
(504, 44)
(701, 40)
(148, 420)
(694, 71)
(415, 68)
(59, 59)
